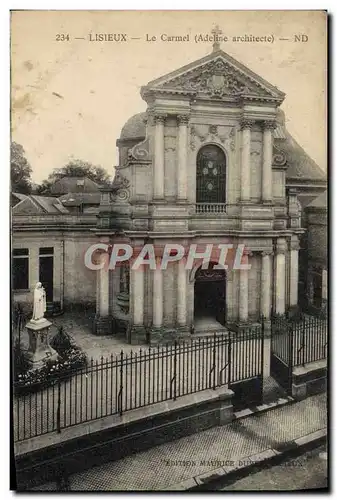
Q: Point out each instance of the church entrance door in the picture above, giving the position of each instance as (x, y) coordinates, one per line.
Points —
(210, 295)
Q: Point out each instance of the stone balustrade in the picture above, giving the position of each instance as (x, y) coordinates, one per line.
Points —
(210, 208)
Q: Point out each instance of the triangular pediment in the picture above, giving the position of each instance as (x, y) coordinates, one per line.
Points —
(217, 75)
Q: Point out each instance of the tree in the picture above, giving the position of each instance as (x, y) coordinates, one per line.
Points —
(76, 168)
(20, 170)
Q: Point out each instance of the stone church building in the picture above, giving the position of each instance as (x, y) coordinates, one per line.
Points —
(209, 162)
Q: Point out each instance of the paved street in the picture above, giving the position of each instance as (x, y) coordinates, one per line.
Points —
(304, 472)
(169, 464)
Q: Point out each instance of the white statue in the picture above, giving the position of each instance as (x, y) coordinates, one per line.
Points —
(39, 306)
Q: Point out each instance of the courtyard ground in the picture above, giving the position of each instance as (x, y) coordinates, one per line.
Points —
(79, 326)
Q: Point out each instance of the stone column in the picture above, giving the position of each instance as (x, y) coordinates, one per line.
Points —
(280, 276)
(182, 156)
(267, 181)
(243, 290)
(266, 284)
(181, 294)
(137, 332)
(157, 289)
(159, 157)
(293, 281)
(246, 126)
(137, 282)
(103, 319)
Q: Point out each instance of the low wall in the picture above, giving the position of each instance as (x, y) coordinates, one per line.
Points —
(46, 458)
(309, 379)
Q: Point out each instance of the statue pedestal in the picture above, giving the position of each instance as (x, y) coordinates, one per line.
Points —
(39, 349)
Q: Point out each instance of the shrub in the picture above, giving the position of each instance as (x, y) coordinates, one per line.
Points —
(21, 361)
(71, 358)
(62, 342)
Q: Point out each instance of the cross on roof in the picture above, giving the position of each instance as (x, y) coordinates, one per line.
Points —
(216, 31)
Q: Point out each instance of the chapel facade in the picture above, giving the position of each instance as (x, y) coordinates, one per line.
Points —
(203, 165)
(210, 162)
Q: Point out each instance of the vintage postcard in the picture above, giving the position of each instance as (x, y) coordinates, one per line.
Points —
(169, 272)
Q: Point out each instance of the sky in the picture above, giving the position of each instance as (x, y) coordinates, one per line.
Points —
(71, 98)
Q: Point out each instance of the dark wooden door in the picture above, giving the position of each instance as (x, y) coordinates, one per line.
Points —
(47, 275)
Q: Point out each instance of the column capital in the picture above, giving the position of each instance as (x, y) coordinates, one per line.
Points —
(159, 117)
(294, 245)
(246, 124)
(267, 253)
(183, 119)
(269, 125)
(281, 246)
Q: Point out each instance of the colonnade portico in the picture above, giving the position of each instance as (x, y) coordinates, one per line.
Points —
(147, 286)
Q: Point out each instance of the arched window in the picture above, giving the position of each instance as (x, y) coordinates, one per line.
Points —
(211, 175)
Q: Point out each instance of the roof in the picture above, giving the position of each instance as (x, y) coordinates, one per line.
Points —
(69, 184)
(135, 127)
(300, 165)
(39, 205)
(20, 196)
(76, 199)
(320, 202)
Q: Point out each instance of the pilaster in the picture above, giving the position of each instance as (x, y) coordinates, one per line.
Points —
(244, 289)
(246, 126)
(266, 273)
(182, 157)
(280, 276)
(293, 281)
(268, 127)
(158, 172)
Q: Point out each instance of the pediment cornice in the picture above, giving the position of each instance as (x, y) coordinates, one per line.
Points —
(217, 76)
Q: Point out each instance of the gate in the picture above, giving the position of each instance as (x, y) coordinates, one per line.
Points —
(246, 371)
(281, 353)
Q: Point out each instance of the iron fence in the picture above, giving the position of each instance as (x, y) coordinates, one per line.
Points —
(120, 383)
(300, 342)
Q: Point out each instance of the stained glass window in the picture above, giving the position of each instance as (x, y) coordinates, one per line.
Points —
(211, 175)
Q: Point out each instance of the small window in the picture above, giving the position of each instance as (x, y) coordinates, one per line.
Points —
(19, 252)
(20, 269)
(46, 251)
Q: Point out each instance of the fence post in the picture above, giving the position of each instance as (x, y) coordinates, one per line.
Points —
(175, 371)
(304, 339)
(262, 348)
(58, 413)
(290, 330)
(214, 357)
(229, 357)
(120, 394)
